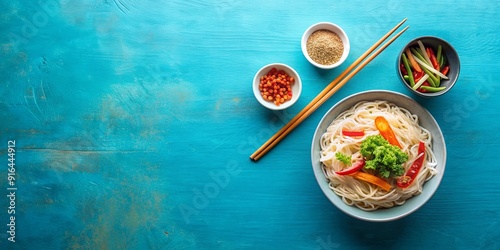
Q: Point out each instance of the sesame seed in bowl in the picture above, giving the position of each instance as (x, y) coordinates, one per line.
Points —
(325, 45)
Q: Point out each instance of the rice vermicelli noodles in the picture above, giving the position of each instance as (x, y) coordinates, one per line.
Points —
(361, 117)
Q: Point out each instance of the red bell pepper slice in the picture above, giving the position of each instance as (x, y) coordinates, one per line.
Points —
(353, 133)
(426, 83)
(418, 75)
(445, 70)
(353, 169)
(432, 56)
(412, 173)
(403, 69)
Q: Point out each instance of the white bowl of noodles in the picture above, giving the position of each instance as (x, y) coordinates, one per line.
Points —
(363, 200)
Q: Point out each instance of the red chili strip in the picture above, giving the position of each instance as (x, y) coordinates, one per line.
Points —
(412, 173)
(353, 169)
(353, 133)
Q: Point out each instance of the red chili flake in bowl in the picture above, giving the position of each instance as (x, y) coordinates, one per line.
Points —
(276, 86)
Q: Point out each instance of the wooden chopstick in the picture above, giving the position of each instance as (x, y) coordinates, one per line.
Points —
(323, 99)
(324, 95)
(327, 88)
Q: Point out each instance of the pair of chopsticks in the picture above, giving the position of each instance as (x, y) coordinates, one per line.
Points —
(333, 87)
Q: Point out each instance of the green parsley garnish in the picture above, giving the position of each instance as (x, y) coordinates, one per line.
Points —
(383, 157)
(343, 158)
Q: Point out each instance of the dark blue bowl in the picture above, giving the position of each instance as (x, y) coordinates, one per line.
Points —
(451, 57)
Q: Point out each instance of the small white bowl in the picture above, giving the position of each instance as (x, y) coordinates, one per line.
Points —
(296, 86)
(331, 27)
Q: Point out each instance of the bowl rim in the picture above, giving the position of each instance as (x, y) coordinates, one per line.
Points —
(296, 87)
(334, 28)
(441, 40)
(411, 205)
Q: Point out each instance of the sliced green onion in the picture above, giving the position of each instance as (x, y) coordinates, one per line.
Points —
(438, 54)
(433, 89)
(431, 69)
(422, 80)
(424, 52)
(408, 69)
(443, 61)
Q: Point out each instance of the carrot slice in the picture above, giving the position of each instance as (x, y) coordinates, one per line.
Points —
(373, 180)
(413, 63)
(386, 131)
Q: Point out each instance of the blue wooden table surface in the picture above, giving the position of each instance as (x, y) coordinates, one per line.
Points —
(133, 122)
